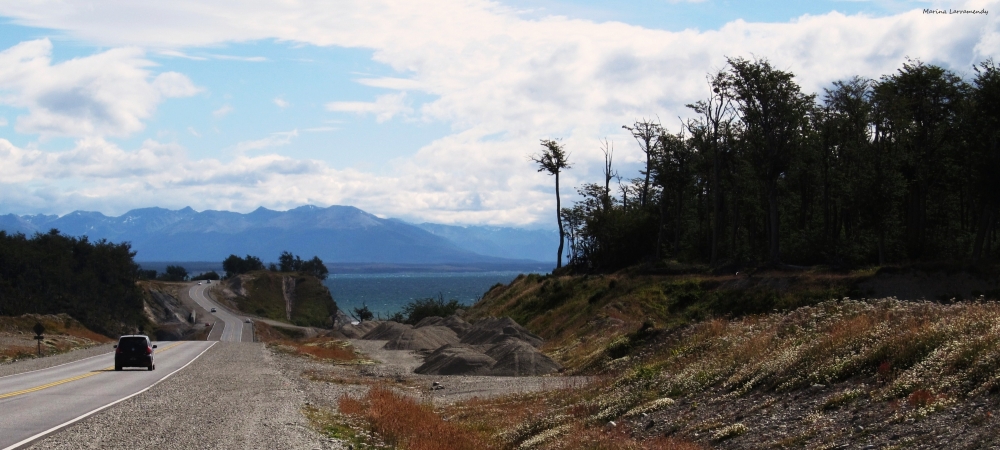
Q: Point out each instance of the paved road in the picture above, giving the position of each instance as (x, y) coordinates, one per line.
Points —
(33, 404)
(228, 327)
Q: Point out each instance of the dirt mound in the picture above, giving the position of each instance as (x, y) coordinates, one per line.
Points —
(492, 330)
(428, 338)
(456, 360)
(386, 331)
(515, 357)
(459, 326)
(353, 331)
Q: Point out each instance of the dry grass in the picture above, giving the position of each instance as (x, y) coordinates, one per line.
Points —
(400, 421)
(919, 356)
(62, 334)
(321, 348)
(12, 352)
(925, 354)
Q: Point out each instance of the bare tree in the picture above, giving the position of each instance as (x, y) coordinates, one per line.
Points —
(608, 148)
(553, 160)
(645, 133)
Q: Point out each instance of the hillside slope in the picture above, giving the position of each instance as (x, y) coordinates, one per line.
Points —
(579, 316)
(293, 298)
(776, 360)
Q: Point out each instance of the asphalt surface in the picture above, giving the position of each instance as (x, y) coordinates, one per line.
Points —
(233, 397)
(38, 402)
(228, 327)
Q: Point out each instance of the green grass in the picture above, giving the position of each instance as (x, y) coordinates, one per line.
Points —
(586, 318)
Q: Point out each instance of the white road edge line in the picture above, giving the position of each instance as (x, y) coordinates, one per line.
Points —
(84, 416)
(58, 365)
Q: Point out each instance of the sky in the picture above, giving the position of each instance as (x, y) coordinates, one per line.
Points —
(427, 111)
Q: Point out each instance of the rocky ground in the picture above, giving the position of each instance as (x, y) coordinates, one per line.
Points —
(838, 416)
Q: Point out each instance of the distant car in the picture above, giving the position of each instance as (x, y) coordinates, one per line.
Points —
(208, 282)
(199, 283)
(134, 350)
(248, 321)
(213, 309)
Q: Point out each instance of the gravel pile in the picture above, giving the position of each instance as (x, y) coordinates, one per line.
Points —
(357, 331)
(386, 331)
(232, 397)
(456, 360)
(324, 383)
(516, 357)
(423, 339)
(494, 330)
(492, 346)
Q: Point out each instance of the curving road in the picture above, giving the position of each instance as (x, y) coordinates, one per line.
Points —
(33, 404)
(229, 327)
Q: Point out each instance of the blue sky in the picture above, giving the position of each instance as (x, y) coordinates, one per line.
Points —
(422, 111)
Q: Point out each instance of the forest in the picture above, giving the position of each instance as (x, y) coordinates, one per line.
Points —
(900, 169)
(94, 282)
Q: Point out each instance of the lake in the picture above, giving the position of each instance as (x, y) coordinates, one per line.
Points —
(386, 293)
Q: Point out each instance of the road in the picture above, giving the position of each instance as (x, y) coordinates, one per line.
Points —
(228, 326)
(33, 404)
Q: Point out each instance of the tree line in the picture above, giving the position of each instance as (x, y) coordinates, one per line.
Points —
(903, 168)
(287, 262)
(94, 282)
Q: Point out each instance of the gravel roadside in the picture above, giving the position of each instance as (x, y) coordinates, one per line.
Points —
(28, 365)
(232, 397)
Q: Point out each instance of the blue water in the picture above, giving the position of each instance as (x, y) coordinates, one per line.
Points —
(386, 293)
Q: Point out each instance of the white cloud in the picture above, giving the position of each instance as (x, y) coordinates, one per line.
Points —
(223, 111)
(274, 140)
(281, 103)
(177, 54)
(173, 84)
(489, 73)
(239, 58)
(109, 93)
(384, 107)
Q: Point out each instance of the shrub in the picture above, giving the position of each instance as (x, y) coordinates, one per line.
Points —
(417, 310)
(401, 421)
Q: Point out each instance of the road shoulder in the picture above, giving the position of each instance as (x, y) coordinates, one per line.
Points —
(231, 397)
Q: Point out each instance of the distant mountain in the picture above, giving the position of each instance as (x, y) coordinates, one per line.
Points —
(338, 234)
(504, 242)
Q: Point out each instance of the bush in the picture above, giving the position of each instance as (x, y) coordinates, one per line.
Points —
(210, 275)
(419, 309)
(234, 265)
(174, 273)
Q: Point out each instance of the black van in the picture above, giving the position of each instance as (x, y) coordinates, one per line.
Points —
(134, 351)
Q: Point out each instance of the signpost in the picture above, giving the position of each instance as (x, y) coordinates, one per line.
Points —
(39, 329)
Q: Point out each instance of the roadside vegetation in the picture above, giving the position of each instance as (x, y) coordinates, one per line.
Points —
(62, 334)
(292, 341)
(581, 316)
(422, 308)
(93, 282)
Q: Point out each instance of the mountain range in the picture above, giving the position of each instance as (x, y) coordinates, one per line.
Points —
(337, 234)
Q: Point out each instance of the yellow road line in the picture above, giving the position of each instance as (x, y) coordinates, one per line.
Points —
(67, 380)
